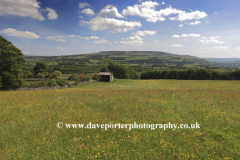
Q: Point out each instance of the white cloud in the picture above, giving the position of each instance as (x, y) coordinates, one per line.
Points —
(83, 5)
(156, 41)
(216, 13)
(23, 8)
(102, 41)
(194, 35)
(87, 38)
(75, 41)
(91, 37)
(195, 23)
(207, 21)
(74, 36)
(184, 35)
(238, 48)
(111, 24)
(60, 40)
(53, 37)
(15, 33)
(110, 11)
(57, 38)
(80, 17)
(214, 40)
(176, 45)
(147, 10)
(52, 14)
(163, 3)
(180, 25)
(144, 33)
(175, 36)
(135, 40)
(88, 11)
(183, 16)
(219, 47)
(116, 42)
(61, 48)
(140, 1)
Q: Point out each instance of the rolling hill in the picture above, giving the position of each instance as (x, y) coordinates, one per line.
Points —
(139, 60)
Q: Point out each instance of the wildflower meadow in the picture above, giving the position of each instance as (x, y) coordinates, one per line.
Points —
(29, 120)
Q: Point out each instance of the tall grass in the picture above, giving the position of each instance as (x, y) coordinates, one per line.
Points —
(29, 118)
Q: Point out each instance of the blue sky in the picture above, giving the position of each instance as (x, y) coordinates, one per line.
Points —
(206, 28)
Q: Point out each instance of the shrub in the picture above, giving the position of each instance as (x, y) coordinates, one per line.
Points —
(87, 78)
(40, 75)
(37, 84)
(73, 77)
(83, 79)
(51, 83)
(58, 73)
(42, 84)
(25, 84)
(61, 82)
(53, 75)
(80, 79)
(95, 77)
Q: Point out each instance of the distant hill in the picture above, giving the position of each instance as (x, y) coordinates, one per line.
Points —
(222, 60)
(139, 60)
(226, 62)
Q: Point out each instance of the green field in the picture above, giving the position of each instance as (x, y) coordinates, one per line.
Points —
(28, 121)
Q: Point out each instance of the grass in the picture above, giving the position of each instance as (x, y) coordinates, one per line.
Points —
(28, 121)
(164, 84)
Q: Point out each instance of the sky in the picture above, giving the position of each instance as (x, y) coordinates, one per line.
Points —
(201, 28)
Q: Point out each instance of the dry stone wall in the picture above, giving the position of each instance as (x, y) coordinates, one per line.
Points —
(57, 87)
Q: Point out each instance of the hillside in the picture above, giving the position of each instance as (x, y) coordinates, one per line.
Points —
(225, 62)
(139, 60)
(222, 60)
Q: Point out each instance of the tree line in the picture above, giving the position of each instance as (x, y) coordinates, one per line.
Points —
(120, 71)
(192, 74)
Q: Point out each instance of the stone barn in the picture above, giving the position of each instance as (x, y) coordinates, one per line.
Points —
(105, 76)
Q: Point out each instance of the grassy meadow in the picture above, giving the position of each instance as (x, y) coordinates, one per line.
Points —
(28, 121)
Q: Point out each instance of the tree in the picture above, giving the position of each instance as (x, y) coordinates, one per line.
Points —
(112, 67)
(133, 74)
(40, 75)
(58, 73)
(104, 69)
(72, 77)
(27, 73)
(40, 67)
(11, 64)
(122, 72)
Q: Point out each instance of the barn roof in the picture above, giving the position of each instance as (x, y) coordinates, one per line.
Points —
(104, 73)
(80, 74)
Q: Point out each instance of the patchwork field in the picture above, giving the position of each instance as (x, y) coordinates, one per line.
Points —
(29, 120)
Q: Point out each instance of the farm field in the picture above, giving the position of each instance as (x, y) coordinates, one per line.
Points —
(28, 121)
